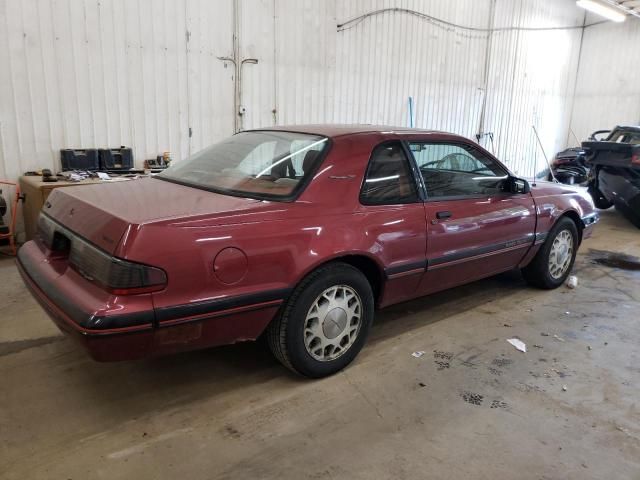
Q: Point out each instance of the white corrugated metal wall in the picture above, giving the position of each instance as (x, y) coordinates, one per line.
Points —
(608, 88)
(83, 73)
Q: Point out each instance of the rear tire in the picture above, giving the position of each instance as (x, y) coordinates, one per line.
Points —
(552, 264)
(325, 323)
(599, 199)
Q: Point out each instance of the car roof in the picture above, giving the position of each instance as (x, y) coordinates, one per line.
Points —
(337, 130)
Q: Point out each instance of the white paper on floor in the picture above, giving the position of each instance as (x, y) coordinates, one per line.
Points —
(418, 354)
(519, 344)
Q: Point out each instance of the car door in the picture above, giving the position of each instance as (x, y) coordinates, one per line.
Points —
(393, 220)
(474, 227)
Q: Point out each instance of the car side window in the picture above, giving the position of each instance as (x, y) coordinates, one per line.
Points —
(389, 179)
(457, 170)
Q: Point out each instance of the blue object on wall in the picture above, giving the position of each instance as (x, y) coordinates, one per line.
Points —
(410, 112)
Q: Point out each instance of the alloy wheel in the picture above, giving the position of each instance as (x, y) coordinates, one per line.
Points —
(332, 323)
(561, 254)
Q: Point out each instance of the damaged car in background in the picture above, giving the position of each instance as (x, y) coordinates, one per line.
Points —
(615, 171)
(570, 165)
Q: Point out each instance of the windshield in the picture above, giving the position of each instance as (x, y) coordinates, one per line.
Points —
(258, 164)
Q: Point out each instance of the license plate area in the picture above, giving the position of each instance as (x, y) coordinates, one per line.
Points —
(55, 237)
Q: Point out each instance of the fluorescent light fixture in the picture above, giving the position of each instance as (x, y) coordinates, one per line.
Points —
(603, 10)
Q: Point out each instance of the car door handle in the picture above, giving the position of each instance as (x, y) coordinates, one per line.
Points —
(443, 214)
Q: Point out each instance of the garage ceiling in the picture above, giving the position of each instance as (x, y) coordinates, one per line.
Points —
(631, 7)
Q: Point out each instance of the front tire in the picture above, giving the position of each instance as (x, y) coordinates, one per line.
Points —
(325, 323)
(552, 264)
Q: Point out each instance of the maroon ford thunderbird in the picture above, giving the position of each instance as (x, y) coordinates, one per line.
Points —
(299, 233)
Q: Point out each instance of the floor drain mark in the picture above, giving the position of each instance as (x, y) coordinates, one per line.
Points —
(442, 359)
(472, 398)
(499, 404)
(444, 355)
(442, 365)
(501, 362)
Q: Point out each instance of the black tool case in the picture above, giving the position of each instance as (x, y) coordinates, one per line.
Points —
(116, 158)
(79, 159)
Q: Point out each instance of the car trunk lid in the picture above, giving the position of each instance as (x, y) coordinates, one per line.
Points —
(614, 154)
(103, 213)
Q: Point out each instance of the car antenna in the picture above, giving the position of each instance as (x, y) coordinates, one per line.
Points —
(544, 154)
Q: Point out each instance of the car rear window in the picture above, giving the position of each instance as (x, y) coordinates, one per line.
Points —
(256, 164)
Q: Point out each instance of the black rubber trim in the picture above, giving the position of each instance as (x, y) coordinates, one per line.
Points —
(406, 267)
(82, 318)
(475, 251)
(417, 175)
(590, 219)
(541, 237)
(466, 253)
(177, 312)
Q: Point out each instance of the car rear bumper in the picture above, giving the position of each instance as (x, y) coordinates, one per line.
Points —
(123, 343)
(135, 331)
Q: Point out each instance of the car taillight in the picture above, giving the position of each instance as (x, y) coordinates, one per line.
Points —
(46, 229)
(119, 277)
(635, 159)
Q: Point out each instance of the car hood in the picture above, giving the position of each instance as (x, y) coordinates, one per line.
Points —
(552, 195)
(543, 188)
(102, 213)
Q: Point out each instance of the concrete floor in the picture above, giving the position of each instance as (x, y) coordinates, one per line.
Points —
(471, 407)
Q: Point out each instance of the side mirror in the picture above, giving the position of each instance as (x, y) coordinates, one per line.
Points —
(517, 185)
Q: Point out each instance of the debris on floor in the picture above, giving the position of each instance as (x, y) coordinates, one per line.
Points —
(572, 282)
(418, 354)
(564, 388)
(560, 339)
(507, 325)
(519, 344)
